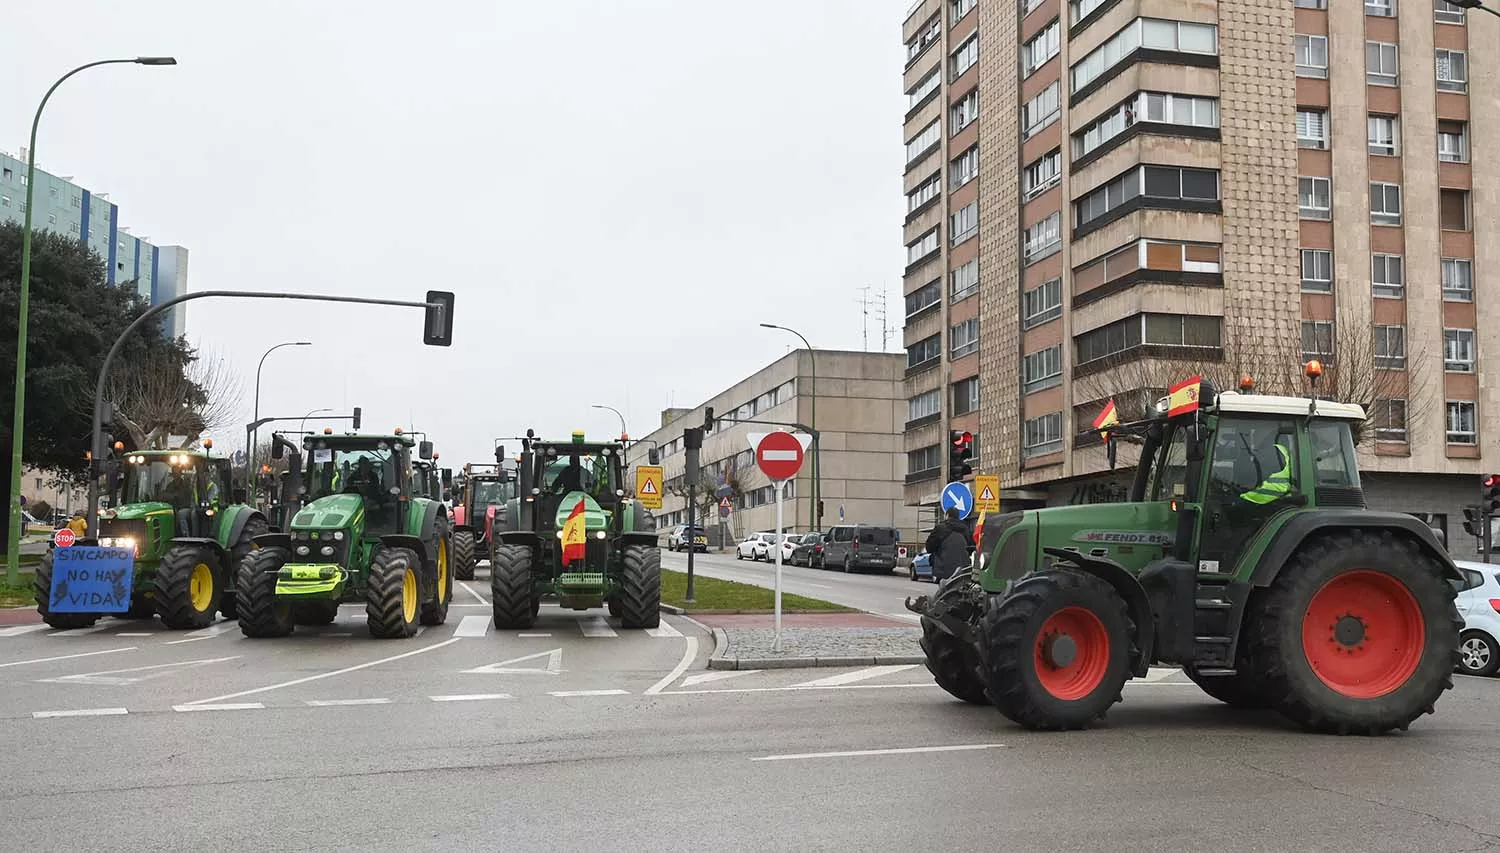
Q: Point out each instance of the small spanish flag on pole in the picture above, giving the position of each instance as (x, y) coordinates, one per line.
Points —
(1107, 418)
(1183, 397)
(575, 535)
(979, 530)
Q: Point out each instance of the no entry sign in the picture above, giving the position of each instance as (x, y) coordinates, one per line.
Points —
(779, 455)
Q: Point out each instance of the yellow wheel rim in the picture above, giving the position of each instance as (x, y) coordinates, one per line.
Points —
(442, 561)
(201, 587)
(409, 595)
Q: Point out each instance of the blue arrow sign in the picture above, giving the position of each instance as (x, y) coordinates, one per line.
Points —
(957, 496)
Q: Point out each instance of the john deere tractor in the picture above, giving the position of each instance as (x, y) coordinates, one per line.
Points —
(1245, 555)
(572, 534)
(174, 509)
(483, 492)
(361, 533)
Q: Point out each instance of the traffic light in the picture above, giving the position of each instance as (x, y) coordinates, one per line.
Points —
(692, 438)
(437, 328)
(960, 445)
(358, 417)
(1473, 521)
(1490, 502)
(708, 418)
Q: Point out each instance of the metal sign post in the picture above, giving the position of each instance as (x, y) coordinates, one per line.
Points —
(780, 490)
(779, 456)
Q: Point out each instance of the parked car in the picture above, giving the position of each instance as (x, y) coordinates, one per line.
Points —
(809, 545)
(755, 546)
(855, 547)
(678, 539)
(788, 545)
(921, 568)
(1479, 605)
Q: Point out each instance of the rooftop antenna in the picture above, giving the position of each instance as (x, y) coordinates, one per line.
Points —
(885, 326)
(866, 301)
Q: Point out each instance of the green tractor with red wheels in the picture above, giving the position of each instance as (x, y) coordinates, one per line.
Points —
(1245, 555)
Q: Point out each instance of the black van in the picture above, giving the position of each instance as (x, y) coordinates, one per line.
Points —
(858, 547)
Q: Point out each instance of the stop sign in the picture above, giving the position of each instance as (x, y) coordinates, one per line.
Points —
(64, 538)
(779, 455)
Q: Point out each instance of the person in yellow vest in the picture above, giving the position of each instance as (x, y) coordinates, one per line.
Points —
(1277, 484)
(78, 525)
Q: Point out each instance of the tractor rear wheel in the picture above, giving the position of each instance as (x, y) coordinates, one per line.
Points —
(260, 612)
(1358, 634)
(239, 550)
(463, 555)
(640, 587)
(189, 586)
(1056, 649)
(41, 586)
(141, 607)
(393, 593)
(954, 664)
(1243, 690)
(435, 612)
(316, 613)
(513, 601)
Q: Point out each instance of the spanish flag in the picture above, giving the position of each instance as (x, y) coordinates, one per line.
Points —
(575, 535)
(979, 530)
(1183, 397)
(1107, 418)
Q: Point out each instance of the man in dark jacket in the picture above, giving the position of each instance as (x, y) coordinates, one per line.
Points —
(948, 543)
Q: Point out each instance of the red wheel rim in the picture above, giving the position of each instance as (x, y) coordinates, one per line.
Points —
(1363, 634)
(1078, 674)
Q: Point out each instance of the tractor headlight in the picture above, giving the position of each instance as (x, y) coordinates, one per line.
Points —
(303, 550)
(619, 493)
(599, 534)
(338, 535)
(326, 550)
(559, 534)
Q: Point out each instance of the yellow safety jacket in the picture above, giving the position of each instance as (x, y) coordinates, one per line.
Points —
(1275, 486)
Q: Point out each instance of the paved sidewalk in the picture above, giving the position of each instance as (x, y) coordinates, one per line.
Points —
(746, 641)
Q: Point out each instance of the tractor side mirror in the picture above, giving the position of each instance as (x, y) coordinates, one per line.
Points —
(424, 449)
(447, 477)
(276, 450)
(1196, 445)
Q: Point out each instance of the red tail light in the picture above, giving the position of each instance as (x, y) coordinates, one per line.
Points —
(1495, 603)
(856, 546)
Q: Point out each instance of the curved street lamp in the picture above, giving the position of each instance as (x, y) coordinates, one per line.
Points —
(624, 433)
(813, 516)
(302, 427)
(255, 433)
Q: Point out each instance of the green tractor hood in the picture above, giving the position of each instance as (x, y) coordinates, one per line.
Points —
(1131, 534)
(330, 513)
(594, 517)
(127, 512)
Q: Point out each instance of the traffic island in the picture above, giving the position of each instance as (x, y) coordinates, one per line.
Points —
(747, 641)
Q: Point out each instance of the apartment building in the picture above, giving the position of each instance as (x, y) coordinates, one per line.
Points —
(1102, 191)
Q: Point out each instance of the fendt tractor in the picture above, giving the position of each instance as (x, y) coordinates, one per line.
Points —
(483, 490)
(361, 533)
(573, 534)
(173, 508)
(1244, 554)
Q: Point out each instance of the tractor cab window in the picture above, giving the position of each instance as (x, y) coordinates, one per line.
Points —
(1169, 480)
(1254, 459)
(487, 492)
(1333, 453)
(368, 472)
(587, 472)
(160, 478)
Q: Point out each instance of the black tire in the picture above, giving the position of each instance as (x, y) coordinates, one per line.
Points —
(848, 566)
(512, 598)
(614, 607)
(41, 587)
(254, 526)
(189, 585)
(259, 611)
(435, 610)
(141, 607)
(1275, 633)
(316, 613)
(1479, 654)
(463, 555)
(640, 587)
(1011, 629)
(393, 593)
(1243, 690)
(738, 555)
(954, 664)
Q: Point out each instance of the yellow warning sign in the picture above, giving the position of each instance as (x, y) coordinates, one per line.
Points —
(986, 493)
(648, 486)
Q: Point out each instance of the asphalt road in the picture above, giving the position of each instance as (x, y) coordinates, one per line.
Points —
(877, 593)
(131, 736)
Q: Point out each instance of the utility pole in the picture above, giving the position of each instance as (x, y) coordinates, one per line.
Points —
(692, 443)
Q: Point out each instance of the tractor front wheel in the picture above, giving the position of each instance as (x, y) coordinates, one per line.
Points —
(393, 593)
(260, 612)
(512, 599)
(1056, 649)
(640, 587)
(954, 664)
(463, 555)
(189, 585)
(254, 526)
(435, 611)
(41, 586)
(1358, 634)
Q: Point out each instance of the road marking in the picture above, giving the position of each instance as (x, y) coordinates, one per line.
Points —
(473, 626)
(506, 667)
(79, 632)
(225, 706)
(716, 675)
(18, 630)
(134, 634)
(328, 703)
(467, 604)
(85, 712)
(533, 635)
(342, 634)
(595, 626)
(470, 697)
(857, 675)
(323, 675)
(115, 677)
(664, 629)
(862, 752)
(792, 689)
(1157, 673)
(687, 660)
(909, 617)
(68, 657)
(476, 595)
(568, 694)
(207, 633)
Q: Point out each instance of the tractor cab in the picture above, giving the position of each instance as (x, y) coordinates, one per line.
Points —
(187, 485)
(555, 476)
(367, 475)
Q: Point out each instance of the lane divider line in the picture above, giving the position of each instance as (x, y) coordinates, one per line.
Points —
(863, 752)
(323, 675)
(688, 654)
(470, 697)
(569, 694)
(477, 596)
(329, 703)
(68, 657)
(225, 706)
(84, 712)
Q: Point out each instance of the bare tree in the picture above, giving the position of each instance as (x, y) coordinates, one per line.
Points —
(163, 397)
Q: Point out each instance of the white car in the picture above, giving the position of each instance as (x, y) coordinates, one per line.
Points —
(756, 546)
(1479, 605)
(789, 542)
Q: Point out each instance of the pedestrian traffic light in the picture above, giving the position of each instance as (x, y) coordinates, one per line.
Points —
(1491, 502)
(1473, 521)
(960, 445)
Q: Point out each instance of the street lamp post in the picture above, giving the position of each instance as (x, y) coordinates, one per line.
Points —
(813, 515)
(255, 433)
(13, 538)
(302, 427)
(624, 433)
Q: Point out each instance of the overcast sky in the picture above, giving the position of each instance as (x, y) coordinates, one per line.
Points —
(618, 192)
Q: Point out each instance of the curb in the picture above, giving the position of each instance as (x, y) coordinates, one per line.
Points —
(668, 608)
(717, 662)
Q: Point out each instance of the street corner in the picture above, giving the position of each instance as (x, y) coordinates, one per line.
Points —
(10, 616)
(746, 641)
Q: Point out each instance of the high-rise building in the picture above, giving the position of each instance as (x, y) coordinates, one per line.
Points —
(1107, 195)
(158, 273)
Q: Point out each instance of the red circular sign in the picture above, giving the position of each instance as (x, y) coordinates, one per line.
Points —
(779, 455)
(64, 538)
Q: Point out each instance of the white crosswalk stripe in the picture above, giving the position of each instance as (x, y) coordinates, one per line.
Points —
(595, 626)
(18, 630)
(857, 675)
(664, 629)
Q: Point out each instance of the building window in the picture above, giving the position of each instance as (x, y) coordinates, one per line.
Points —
(1162, 182)
(1381, 8)
(961, 8)
(1385, 203)
(1390, 347)
(1042, 369)
(1458, 350)
(1039, 111)
(1453, 209)
(924, 351)
(924, 88)
(924, 404)
(1384, 135)
(1453, 141)
(965, 281)
(1390, 420)
(1317, 340)
(1452, 70)
(925, 245)
(1382, 66)
(1312, 129)
(965, 167)
(1041, 304)
(1312, 56)
(1313, 198)
(1447, 13)
(1458, 280)
(1041, 175)
(927, 294)
(923, 142)
(1157, 330)
(1042, 239)
(1462, 427)
(931, 32)
(1043, 435)
(963, 113)
(1153, 33)
(1157, 107)
(925, 192)
(963, 338)
(1387, 276)
(1040, 50)
(923, 460)
(966, 396)
(1080, 9)
(966, 55)
(965, 222)
(1317, 270)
